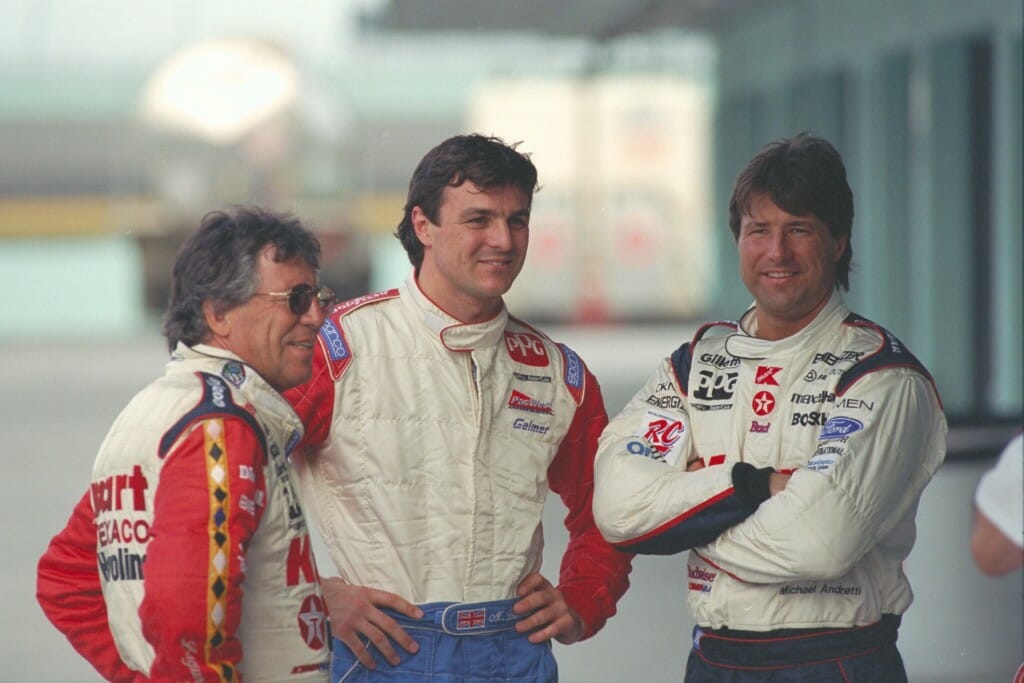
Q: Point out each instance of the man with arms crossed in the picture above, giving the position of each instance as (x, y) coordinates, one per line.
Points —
(189, 558)
(439, 423)
(787, 452)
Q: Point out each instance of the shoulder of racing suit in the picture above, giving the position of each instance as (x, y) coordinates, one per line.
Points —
(338, 351)
(574, 370)
(217, 400)
(890, 353)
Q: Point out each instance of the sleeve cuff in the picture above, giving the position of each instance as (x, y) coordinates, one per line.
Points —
(751, 483)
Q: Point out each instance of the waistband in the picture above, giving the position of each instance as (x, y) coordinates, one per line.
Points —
(789, 647)
(465, 618)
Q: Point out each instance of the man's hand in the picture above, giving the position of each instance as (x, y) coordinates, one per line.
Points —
(777, 482)
(551, 616)
(356, 619)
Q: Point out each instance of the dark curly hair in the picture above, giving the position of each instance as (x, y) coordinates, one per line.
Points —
(218, 263)
(487, 162)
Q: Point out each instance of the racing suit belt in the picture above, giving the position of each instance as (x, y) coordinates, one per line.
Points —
(788, 647)
(464, 618)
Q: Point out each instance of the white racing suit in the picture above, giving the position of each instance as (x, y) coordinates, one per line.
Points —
(435, 444)
(844, 406)
(189, 558)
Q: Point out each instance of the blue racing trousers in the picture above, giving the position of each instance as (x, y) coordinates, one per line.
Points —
(459, 643)
(864, 654)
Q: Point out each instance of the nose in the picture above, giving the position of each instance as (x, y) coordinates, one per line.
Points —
(500, 235)
(314, 315)
(778, 247)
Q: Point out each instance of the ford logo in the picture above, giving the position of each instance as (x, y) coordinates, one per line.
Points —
(839, 427)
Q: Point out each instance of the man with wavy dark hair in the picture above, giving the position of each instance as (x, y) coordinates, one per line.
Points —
(189, 556)
(437, 424)
(787, 453)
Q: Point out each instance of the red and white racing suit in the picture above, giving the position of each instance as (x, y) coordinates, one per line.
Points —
(439, 442)
(844, 406)
(189, 558)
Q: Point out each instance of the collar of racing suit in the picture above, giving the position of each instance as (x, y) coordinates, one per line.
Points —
(455, 335)
(744, 343)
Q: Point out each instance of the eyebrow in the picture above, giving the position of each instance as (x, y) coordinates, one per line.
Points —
(481, 211)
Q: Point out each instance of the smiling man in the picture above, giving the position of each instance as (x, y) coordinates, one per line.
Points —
(787, 452)
(437, 423)
(189, 557)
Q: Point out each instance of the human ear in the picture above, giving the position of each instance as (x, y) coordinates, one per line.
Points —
(218, 322)
(421, 226)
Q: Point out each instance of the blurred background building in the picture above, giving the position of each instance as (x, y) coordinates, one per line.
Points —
(122, 122)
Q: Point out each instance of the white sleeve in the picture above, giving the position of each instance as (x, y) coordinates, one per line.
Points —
(1000, 493)
(642, 491)
(840, 505)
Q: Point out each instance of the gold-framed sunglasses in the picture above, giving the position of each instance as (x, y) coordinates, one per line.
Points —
(301, 296)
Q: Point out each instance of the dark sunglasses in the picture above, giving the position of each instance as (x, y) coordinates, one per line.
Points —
(301, 296)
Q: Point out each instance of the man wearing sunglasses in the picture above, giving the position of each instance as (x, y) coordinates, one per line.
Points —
(189, 557)
(438, 424)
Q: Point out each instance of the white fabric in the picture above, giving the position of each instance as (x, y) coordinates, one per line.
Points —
(828, 550)
(1000, 493)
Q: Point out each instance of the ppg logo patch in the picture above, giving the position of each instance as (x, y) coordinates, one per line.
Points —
(335, 343)
(527, 349)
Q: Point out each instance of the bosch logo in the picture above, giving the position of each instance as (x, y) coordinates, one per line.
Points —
(812, 419)
(331, 335)
(528, 349)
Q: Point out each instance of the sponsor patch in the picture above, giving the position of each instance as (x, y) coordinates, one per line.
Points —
(759, 428)
(234, 373)
(520, 401)
(522, 377)
(811, 399)
(643, 449)
(715, 386)
(669, 401)
(814, 418)
(718, 360)
(313, 622)
(333, 340)
(530, 426)
(663, 432)
(826, 456)
(700, 579)
(573, 368)
(839, 427)
(527, 349)
(831, 358)
(855, 404)
(763, 403)
(766, 375)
